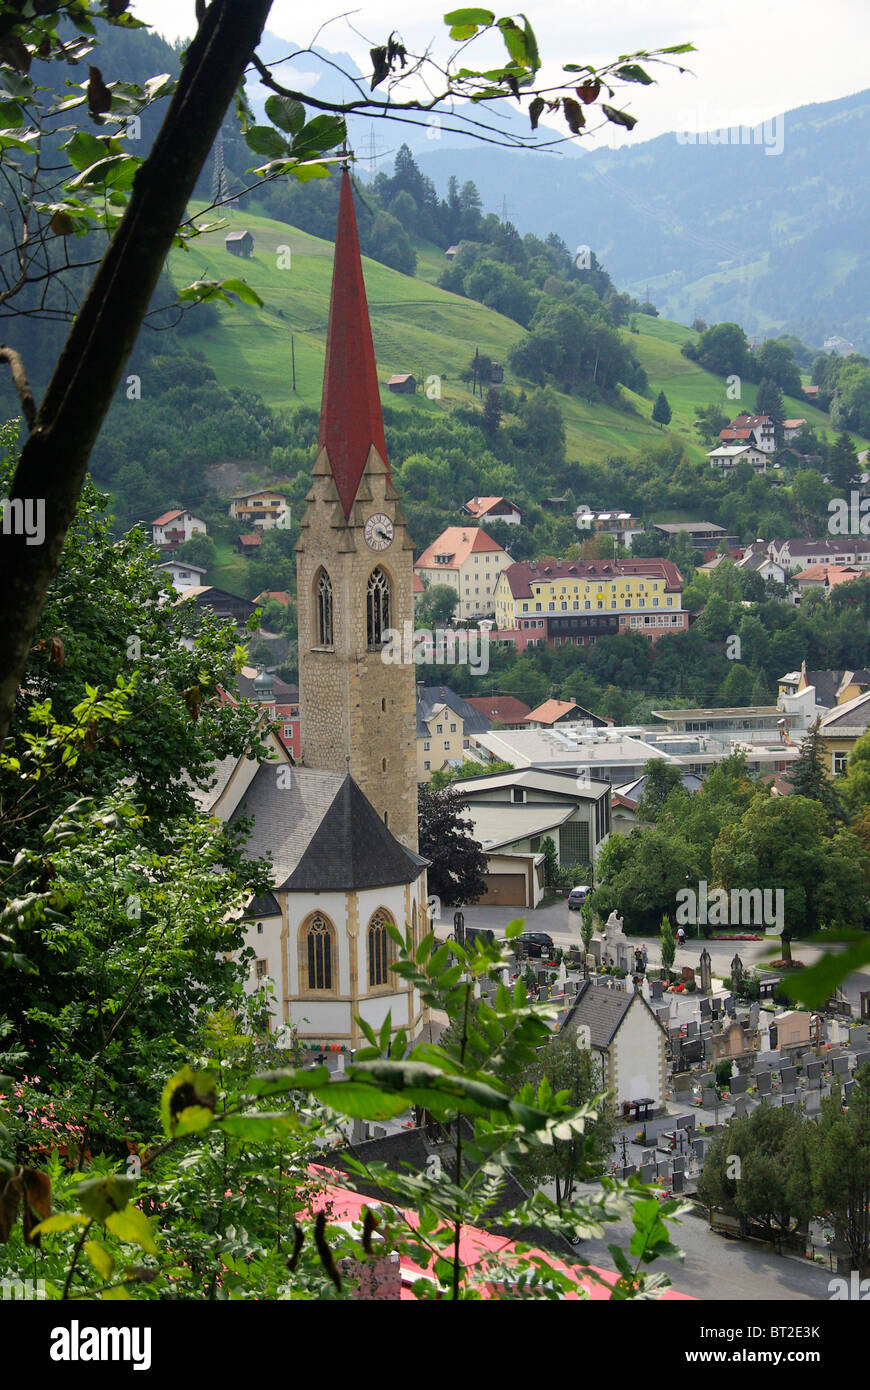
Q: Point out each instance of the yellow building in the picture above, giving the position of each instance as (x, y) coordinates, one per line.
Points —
(469, 561)
(440, 740)
(548, 594)
(840, 729)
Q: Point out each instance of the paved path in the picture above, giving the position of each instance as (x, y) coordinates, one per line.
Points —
(718, 1268)
(564, 927)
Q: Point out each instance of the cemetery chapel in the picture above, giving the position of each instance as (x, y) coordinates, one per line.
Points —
(341, 828)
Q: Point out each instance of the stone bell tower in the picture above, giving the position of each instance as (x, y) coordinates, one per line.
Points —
(355, 570)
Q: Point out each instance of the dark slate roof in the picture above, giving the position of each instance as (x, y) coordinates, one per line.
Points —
(352, 849)
(428, 696)
(602, 1009)
(285, 817)
(827, 683)
(266, 906)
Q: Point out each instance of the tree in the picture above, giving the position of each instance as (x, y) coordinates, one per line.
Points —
(783, 844)
(776, 363)
(551, 860)
(457, 862)
(437, 605)
(844, 469)
(661, 410)
(668, 944)
(492, 411)
(841, 1168)
(65, 425)
(199, 550)
(758, 1170)
(768, 401)
(576, 1071)
(809, 778)
(722, 349)
(660, 779)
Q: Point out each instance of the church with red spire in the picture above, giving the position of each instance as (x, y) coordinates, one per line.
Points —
(341, 828)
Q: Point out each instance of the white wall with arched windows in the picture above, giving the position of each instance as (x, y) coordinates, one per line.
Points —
(343, 922)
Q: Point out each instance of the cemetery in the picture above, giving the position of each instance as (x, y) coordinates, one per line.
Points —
(686, 1065)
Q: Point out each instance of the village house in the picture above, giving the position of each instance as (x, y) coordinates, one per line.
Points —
(840, 729)
(705, 535)
(504, 710)
(757, 430)
(173, 528)
(261, 510)
(445, 723)
(240, 244)
(183, 575)
(796, 554)
(791, 429)
(553, 712)
(552, 602)
(470, 561)
(492, 509)
(631, 1045)
(728, 456)
(279, 700)
(512, 813)
(402, 384)
(824, 577)
(620, 525)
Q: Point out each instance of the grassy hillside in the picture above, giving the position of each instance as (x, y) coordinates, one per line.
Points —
(420, 328)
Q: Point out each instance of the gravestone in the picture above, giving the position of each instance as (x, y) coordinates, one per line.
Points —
(707, 1078)
(754, 1012)
(655, 989)
(708, 1049)
(858, 1035)
(543, 977)
(692, 1051)
(706, 972)
(862, 1059)
(731, 1007)
(648, 1172)
(543, 993)
(841, 1066)
(847, 1089)
(663, 1170)
(710, 1099)
(763, 1083)
(679, 1183)
(741, 1107)
(699, 1146)
(595, 950)
(691, 1029)
(788, 1078)
(737, 973)
(792, 1028)
(813, 1102)
(688, 975)
(682, 1083)
(739, 1085)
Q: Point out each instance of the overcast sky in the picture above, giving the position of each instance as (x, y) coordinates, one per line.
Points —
(755, 58)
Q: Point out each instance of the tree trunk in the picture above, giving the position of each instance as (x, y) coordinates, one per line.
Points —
(55, 456)
(786, 947)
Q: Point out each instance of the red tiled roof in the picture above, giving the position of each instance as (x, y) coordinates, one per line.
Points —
(475, 1245)
(350, 412)
(504, 709)
(550, 711)
(521, 575)
(166, 518)
(251, 538)
(458, 542)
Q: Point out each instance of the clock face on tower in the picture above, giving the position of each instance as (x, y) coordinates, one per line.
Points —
(379, 531)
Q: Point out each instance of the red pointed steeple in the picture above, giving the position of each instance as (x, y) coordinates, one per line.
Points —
(350, 411)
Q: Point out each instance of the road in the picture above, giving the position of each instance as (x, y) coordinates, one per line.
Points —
(717, 1268)
(564, 927)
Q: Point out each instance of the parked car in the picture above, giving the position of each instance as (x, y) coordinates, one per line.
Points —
(578, 896)
(536, 944)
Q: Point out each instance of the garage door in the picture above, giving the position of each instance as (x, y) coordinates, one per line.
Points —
(509, 889)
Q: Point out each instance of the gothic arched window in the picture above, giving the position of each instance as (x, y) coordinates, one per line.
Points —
(377, 607)
(380, 943)
(324, 610)
(318, 950)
